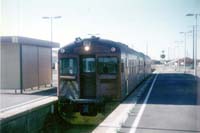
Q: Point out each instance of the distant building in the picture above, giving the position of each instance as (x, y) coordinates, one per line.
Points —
(181, 62)
(25, 62)
(188, 61)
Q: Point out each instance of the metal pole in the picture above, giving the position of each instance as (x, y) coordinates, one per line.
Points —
(185, 54)
(178, 59)
(193, 45)
(195, 50)
(147, 49)
(168, 53)
(175, 53)
(51, 26)
(51, 19)
(175, 56)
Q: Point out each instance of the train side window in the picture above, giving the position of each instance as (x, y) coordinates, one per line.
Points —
(107, 65)
(68, 66)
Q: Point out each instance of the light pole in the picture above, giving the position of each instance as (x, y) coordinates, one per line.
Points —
(177, 53)
(193, 43)
(185, 36)
(184, 50)
(147, 46)
(195, 46)
(51, 22)
(168, 54)
(177, 56)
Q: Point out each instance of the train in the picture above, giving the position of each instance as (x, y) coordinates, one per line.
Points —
(92, 71)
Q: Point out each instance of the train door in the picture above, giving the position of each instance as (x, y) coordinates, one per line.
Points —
(88, 77)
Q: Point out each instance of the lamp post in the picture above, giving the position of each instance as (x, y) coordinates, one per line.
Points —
(184, 50)
(193, 43)
(51, 22)
(177, 54)
(185, 36)
(195, 46)
(168, 54)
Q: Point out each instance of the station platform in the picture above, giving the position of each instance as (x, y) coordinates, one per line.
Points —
(14, 103)
(10, 100)
(166, 103)
(26, 112)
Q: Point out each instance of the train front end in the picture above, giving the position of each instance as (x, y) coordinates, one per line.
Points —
(88, 75)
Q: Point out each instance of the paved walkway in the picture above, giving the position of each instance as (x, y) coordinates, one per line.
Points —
(14, 100)
(170, 107)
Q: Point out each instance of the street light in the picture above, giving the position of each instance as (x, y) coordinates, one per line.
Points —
(51, 21)
(184, 50)
(185, 35)
(195, 46)
(177, 53)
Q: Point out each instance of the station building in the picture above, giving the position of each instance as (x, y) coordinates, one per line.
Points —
(25, 62)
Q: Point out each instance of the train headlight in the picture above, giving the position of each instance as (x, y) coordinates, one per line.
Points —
(87, 48)
(86, 45)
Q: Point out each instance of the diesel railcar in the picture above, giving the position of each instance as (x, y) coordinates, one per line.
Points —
(94, 70)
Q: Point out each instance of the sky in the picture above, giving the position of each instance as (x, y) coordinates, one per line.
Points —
(148, 26)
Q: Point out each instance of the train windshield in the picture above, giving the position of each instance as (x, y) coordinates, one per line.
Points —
(107, 65)
(88, 65)
(68, 66)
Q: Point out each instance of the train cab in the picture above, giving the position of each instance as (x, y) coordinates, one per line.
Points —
(89, 72)
(92, 71)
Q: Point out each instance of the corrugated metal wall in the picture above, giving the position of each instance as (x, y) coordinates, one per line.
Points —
(10, 66)
(36, 66)
(29, 66)
(44, 65)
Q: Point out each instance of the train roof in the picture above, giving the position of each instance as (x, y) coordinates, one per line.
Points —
(121, 46)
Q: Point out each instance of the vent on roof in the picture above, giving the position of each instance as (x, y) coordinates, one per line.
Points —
(94, 37)
(78, 39)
